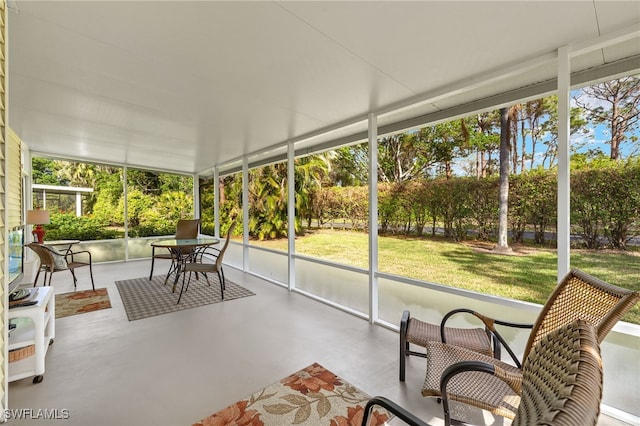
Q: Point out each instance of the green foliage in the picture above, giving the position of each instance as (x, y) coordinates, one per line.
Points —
(268, 202)
(349, 166)
(207, 203)
(606, 204)
(158, 215)
(155, 200)
(484, 205)
(388, 208)
(532, 203)
(231, 203)
(65, 226)
(45, 171)
(309, 174)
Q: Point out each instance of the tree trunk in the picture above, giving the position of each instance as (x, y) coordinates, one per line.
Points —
(616, 134)
(503, 244)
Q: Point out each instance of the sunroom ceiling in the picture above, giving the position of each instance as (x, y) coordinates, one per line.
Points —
(184, 86)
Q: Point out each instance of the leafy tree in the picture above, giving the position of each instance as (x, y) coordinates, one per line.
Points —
(484, 138)
(268, 216)
(309, 173)
(446, 142)
(534, 113)
(145, 181)
(549, 128)
(231, 203)
(615, 103)
(45, 171)
(349, 166)
(406, 156)
(207, 203)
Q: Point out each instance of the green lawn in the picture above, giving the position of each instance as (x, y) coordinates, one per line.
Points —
(529, 274)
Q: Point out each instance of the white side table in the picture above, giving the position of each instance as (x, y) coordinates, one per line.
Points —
(35, 325)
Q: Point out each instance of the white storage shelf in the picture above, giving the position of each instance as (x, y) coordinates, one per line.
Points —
(35, 325)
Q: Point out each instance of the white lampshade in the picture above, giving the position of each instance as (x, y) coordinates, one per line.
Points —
(37, 217)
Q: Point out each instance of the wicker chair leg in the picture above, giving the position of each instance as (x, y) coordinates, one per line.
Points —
(221, 278)
(172, 269)
(38, 275)
(75, 281)
(182, 288)
(404, 345)
(153, 252)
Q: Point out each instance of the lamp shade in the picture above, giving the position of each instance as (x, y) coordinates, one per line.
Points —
(37, 217)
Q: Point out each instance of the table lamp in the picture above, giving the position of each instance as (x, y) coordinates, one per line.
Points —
(38, 218)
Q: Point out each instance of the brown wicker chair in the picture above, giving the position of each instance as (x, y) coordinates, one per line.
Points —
(455, 373)
(66, 260)
(185, 229)
(200, 265)
(561, 381)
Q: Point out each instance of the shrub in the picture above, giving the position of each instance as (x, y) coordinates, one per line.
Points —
(67, 226)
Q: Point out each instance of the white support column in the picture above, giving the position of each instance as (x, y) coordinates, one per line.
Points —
(196, 197)
(373, 218)
(291, 212)
(245, 213)
(564, 209)
(216, 202)
(78, 204)
(125, 212)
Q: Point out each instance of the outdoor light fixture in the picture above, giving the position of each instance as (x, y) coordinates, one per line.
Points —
(38, 218)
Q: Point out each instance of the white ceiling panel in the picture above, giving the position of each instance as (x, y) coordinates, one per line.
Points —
(185, 86)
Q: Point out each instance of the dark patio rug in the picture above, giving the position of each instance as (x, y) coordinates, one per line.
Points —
(143, 298)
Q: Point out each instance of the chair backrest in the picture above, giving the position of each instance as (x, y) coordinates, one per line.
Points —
(562, 378)
(45, 256)
(224, 247)
(187, 229)
(581, 296)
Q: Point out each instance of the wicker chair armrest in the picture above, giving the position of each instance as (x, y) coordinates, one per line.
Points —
(461, 367)
(71, 254)
(392, 408)
(208, 251)
(514, 381)
(489, 324)
(196, 255)
(404, 322)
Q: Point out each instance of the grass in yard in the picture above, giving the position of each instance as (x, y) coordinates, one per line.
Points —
(529, 274)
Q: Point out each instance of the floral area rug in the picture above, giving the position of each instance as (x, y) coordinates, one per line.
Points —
(80, 302)
(312, 396)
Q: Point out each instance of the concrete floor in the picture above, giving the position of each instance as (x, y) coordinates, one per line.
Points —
(178, 368)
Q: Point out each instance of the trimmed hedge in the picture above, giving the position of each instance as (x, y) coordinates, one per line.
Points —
(605, 206)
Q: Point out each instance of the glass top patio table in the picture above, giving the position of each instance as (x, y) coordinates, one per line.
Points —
(175, 246)
(191, 242)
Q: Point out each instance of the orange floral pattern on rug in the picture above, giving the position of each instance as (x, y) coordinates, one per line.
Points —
(79, 302)
(313, 396)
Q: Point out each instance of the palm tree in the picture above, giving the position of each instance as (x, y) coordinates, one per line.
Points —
(503, 244)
